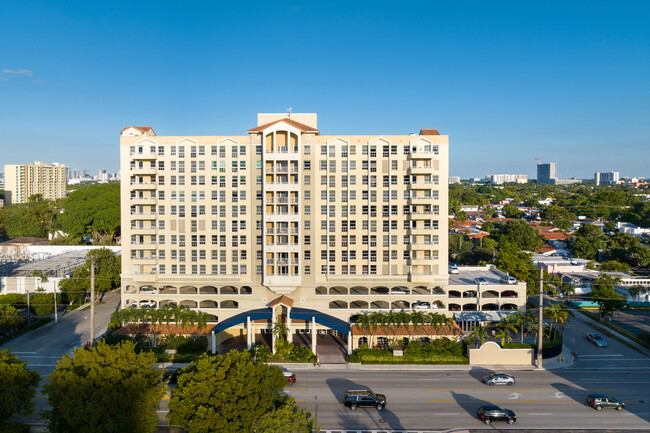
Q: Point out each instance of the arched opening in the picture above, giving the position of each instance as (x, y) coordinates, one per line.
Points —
(130, 289)
(354, 318)
(454, 307)
(400, 290)
(188, 303)
(148, 289)
(469, 307)
(228, 290)
(437, 291)
(321, 290)
(490, 307)
(508, 294)
(509, 307)
(437, 305)
(338, 290)
(168, 290)
(358, 305)
(335, 305)
(454, 294)
(425, 340)
(399, 304)
(166, 302)
(187, 290)
(378, 304)
(421, 290)
(382, 341)
(245, 290)
(362, 341)
(490, 294)
(358, 290)
(469, 294)
(379, 291)
(212, 318)
(208, 304)
(229, 304)
(208, 290)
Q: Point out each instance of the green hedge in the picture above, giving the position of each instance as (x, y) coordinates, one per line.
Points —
(435, 360)
(518, 346)
(21, 331)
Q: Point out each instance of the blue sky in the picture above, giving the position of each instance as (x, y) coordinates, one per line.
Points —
(509, 81)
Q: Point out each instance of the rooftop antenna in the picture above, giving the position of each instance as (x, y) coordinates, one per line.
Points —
(289, 111)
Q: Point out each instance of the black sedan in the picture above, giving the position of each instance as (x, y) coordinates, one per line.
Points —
(487, 414)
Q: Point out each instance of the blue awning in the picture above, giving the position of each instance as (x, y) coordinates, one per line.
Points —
(296, 313)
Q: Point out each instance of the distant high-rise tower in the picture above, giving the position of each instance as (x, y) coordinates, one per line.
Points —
(26, 180)
(547, 173)
(610, 178)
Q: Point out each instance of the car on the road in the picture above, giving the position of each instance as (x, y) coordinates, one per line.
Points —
(506, 279)
(490, 413)
(363, 398)
(499, 379)
(597, 340)
(454, 269)
(291, 377)
(421, 305)
(602, 401)
(480, 281)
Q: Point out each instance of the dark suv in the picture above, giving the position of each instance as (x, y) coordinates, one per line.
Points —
(487, 414)
(363, 398)
(600, 401)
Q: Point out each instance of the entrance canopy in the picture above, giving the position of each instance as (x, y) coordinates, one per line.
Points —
(481, 316)
(296, 313)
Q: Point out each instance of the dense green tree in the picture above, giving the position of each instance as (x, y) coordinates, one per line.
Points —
(42, 303)
(35, 218)
(287, 418)
(104, 389)
(511, 211)
(17, 387)
(520, 234)
(107, 275)
(93, 211)
(226, 393)
(614, 266)
(10, 318)
(555, 213)
(603, 293)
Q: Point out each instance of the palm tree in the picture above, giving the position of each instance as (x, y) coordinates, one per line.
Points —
(505, 327)
(202, 322)
(417, 318)
(168, 314)
(154, 315)
(479, 334)
(375, 319)
(390, 320)
(280, 330)
(557, 313)
(178, 314)
(363, 322)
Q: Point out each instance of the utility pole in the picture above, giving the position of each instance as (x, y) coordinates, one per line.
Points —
(316, 413)
(92, 300)
(56, 316)
(540, 329)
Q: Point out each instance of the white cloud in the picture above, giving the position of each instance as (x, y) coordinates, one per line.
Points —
(25, 72)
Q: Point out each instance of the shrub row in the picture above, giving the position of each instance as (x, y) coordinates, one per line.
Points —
(420, 360)
(21, 331)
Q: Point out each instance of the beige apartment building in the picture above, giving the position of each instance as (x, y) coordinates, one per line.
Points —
(25, 180)
(287, 224)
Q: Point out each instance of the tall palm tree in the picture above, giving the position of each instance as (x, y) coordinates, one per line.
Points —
(375, 320)
(390, 320)
(153, 315)
(479, 334)
(178, 315)
(417, 318)
(168, 314)
(201, 322)
(508, 325)
(363, 322)
(402, 317)
(280, 330)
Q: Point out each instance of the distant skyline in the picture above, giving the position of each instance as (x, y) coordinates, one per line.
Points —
(508, 81)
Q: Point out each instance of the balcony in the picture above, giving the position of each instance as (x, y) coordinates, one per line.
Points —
(421, 169)
(143, 171)
(144, 185)
(144, 200)
(145, 156)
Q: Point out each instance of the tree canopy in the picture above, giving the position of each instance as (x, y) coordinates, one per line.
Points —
(520, 234)
(107, 275)
(104, 389)
(32, 219)
(92, 211)
(229, 393)
(603, 293)
(18, 387)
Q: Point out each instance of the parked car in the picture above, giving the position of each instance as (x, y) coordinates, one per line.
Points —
(506, 279)
(597, 340)
(499, 379)
(600, 401)
(421, 305)
(398, 291)
(363, 398)
(147, 304)
(487, 414)
(480, 280)
(454, 269)
(291, 377)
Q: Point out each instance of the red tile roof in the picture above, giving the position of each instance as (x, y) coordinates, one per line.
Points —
(429, 132)
(547, 249)
(282, 300)
(477, 235)
(554, 236)
(147, 328)
(142, 129)
(297, 125)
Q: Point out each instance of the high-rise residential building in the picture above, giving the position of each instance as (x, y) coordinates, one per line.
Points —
(506, 178)
(608, 178)
(287, 224)
(25, 180)
(546, 173)
(454, 180)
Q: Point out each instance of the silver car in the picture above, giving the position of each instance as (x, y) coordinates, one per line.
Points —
(597, 340)
(499, 379)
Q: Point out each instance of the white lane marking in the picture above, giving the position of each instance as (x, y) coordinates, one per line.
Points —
(514, 396)
(349, 413)
(540, 413)
(24, 353)
(619, 360)
(162, 411)
(427, 379)
(558, 395)
(42, 365)
(445, 413)
(35, 356)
